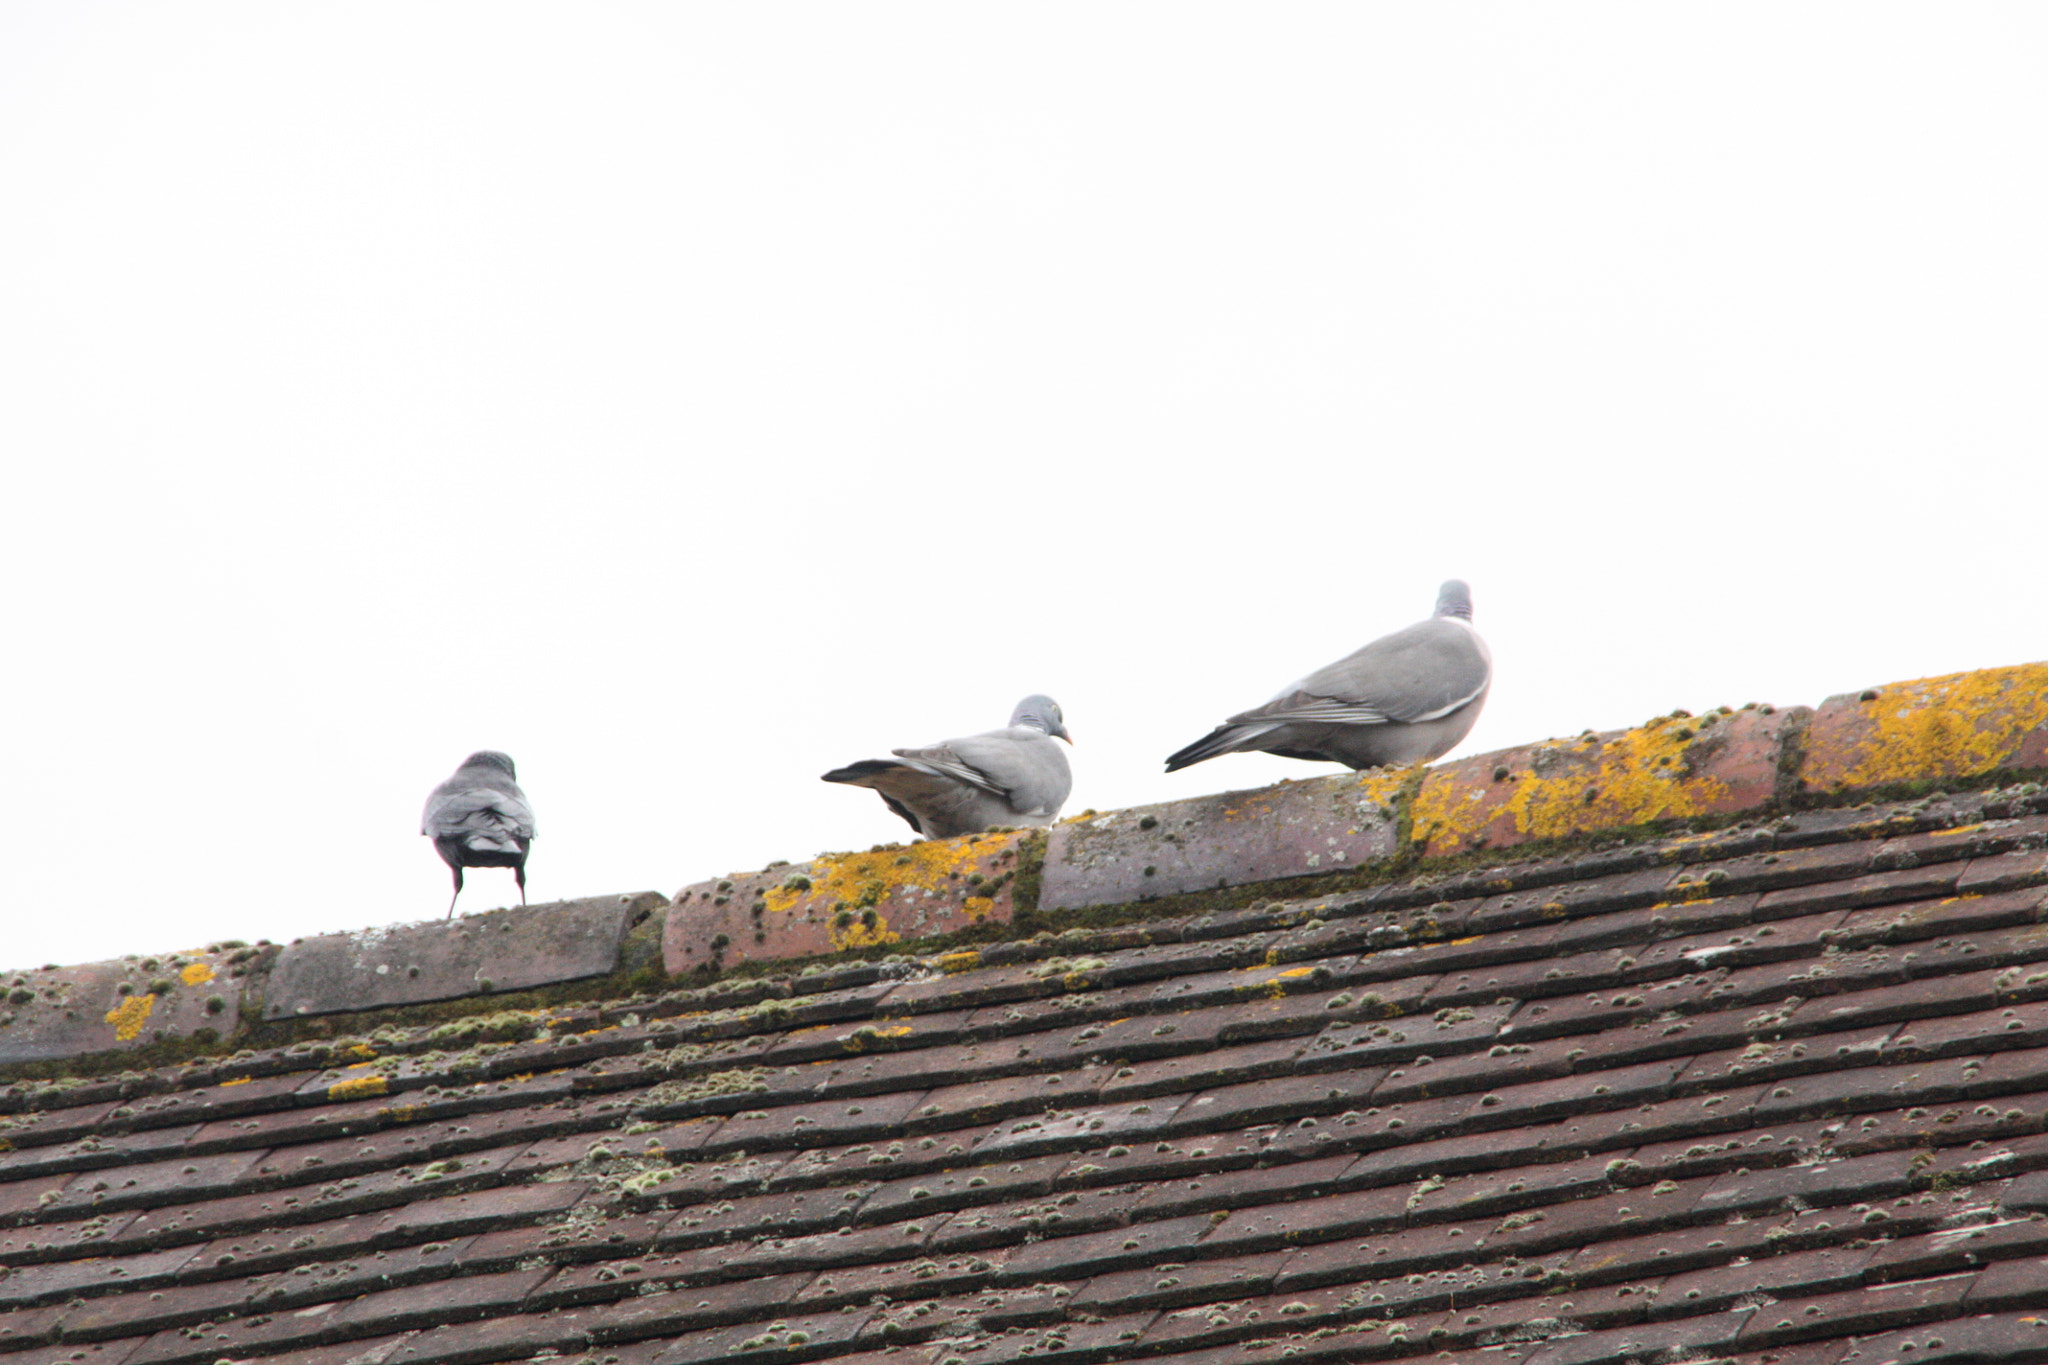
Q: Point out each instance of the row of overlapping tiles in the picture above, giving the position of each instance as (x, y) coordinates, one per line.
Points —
(1088, 1093)
(1715, 766)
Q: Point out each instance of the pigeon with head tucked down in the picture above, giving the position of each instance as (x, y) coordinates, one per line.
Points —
(479, 818)
(1408, 697)
(1012, 776)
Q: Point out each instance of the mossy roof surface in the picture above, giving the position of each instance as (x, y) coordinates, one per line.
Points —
(1773, 1092)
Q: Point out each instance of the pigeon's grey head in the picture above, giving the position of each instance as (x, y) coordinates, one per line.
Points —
(1454, 599)
(491, 758)
(1041, 712)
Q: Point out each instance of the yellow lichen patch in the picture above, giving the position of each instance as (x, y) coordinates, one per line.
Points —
(401, 1113)
(1298, 971)
(1954, 726)
(865, 930)
(1638, 776)
(239, 1080)
(197, 974)
(361, 1088)
(1383, 786)
(977, 906)
(363, 1050)
(959, 962)
(130, 1015)
(864, 879)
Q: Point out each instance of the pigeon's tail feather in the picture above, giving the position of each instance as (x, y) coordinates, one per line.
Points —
(1224, 739)
(479, 850)
(860, 773)
(884, 777)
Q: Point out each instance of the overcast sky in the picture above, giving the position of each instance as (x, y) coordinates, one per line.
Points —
(687, 399)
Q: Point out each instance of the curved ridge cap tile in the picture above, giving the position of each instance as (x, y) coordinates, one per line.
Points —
(499, 950)
(1930, 729)
(841, 901)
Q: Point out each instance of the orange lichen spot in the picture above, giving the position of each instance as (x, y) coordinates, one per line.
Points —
(6, 1144)
(363, 1050)
(1298, 971)
(130, 1015)
(197, 974)
(239, 1080)
(520, 1076)
(1953, 726)
(1951, 833)
(361, 1088)
(1252, 806)
(959, 962)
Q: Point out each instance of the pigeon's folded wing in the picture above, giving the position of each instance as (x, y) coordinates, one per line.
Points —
(1021, 763)
(1424, 672)
(946, 760)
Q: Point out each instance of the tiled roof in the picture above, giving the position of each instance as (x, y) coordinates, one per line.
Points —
(1776, 1090)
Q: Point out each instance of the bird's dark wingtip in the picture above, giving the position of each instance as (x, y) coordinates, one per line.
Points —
(854, 772)
(1217, 741)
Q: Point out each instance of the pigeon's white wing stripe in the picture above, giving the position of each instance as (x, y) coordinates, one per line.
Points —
(1457, 705)
(1316, 711)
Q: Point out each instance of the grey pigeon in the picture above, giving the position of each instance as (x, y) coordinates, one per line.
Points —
(1012, 776)
(479, 818)
(1405, 698)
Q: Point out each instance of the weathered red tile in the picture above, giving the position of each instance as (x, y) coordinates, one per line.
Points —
(786, 1337)
(1677, 1338)
(1292, 829)
(2014, 871)
(80, 1353)
(2013, 1336)
(500, 950)
(1202, 1070)
(917, 1278)
(121, 1005)
(1170, 1284)
(28, 1284)
(1853, 1312)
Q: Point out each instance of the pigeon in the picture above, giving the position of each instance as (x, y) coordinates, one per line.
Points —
(1408, 697)
(1012, 776)
(479, 818)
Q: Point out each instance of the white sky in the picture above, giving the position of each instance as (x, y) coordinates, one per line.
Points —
(687, 399)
